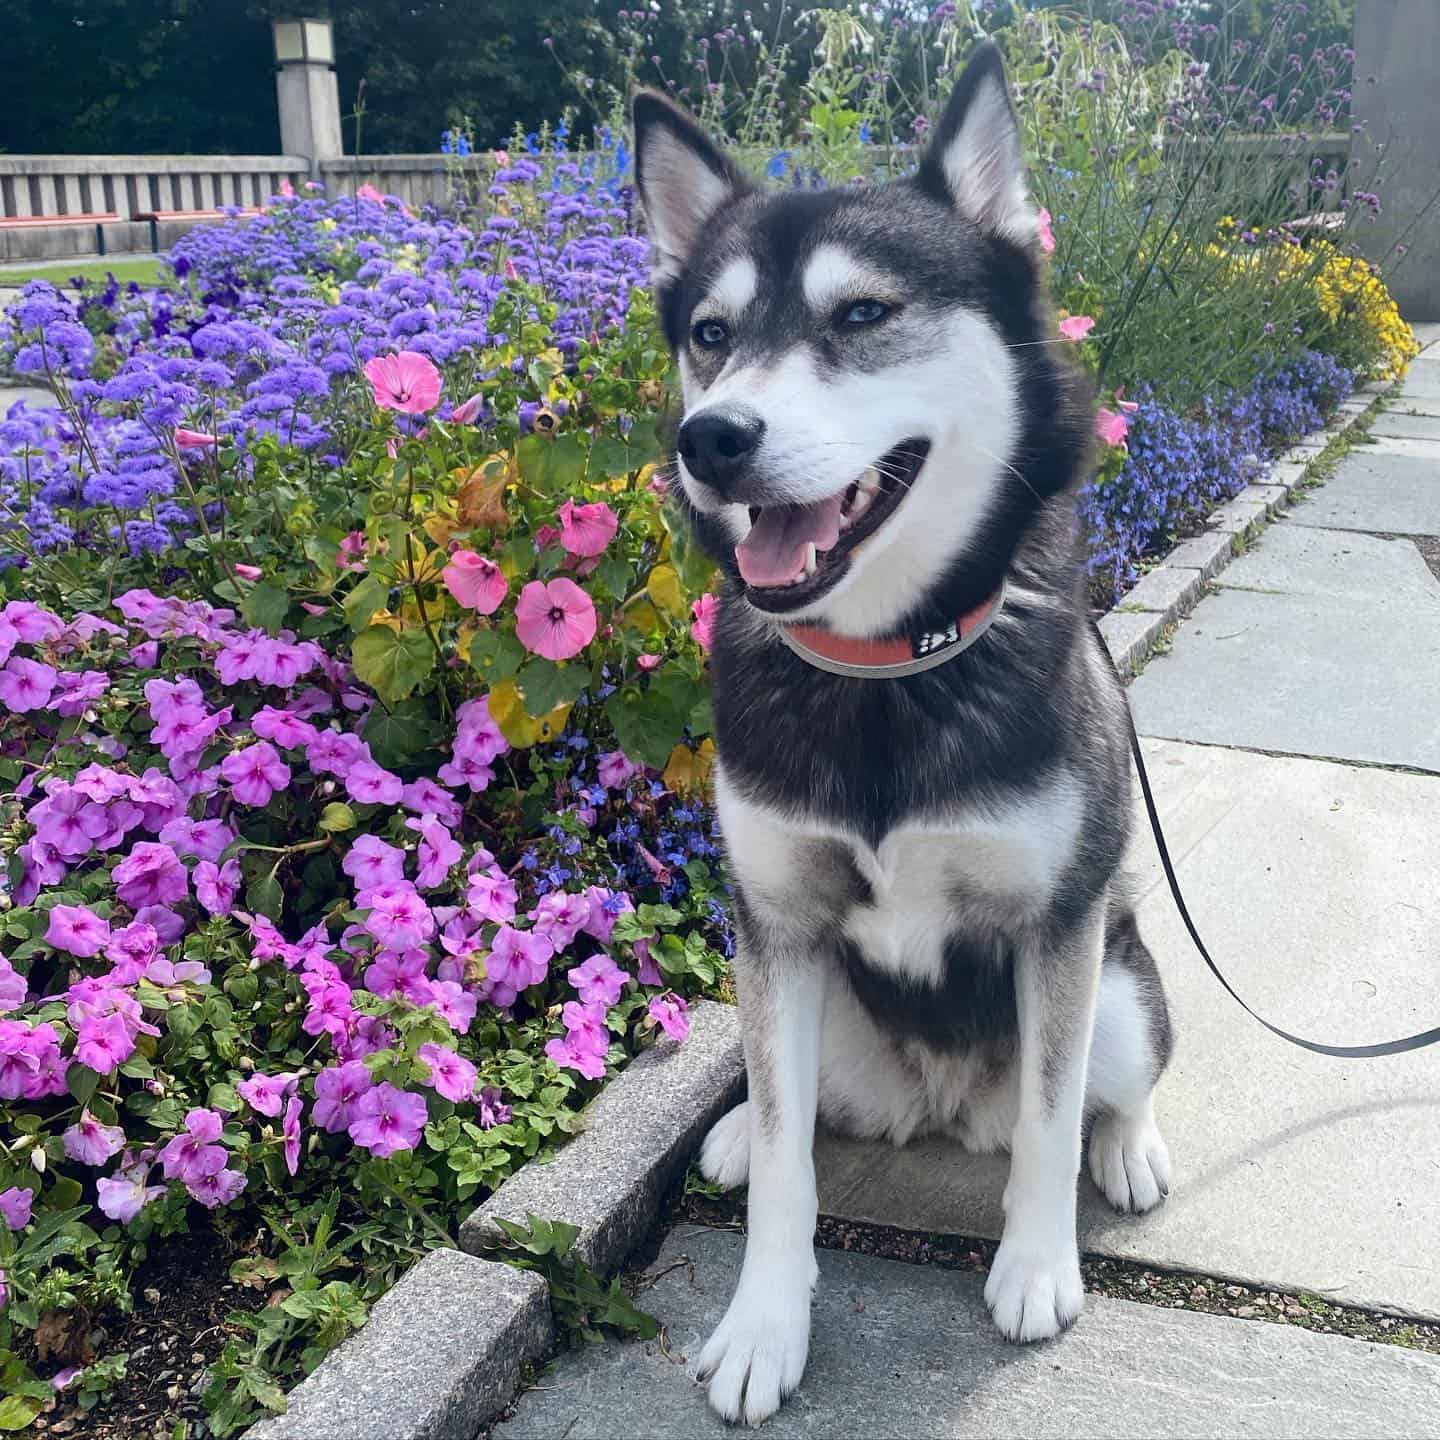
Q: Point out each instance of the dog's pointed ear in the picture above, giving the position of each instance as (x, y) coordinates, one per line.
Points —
(975, 160)
(682, 176)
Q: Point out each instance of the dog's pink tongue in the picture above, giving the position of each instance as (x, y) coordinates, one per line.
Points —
(773, 553)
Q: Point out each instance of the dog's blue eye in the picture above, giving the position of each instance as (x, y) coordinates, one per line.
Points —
(710, 333)
(866, 312)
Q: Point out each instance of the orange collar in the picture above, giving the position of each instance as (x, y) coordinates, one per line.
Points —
(889, 659)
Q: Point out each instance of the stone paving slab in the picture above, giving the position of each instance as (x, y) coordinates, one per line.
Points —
(1315, 887)
(1410, 404)
(909, 1351)
(1376, 488)
(34, 395)
(1346, 616)
(1412, 427)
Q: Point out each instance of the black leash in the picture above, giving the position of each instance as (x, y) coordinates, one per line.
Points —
(1352, 1052)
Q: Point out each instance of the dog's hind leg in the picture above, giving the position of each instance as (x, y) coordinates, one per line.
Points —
(1034, 1290)
(757, 1354)
(1128, 1158)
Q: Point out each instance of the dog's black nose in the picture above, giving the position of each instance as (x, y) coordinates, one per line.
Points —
(716, 445)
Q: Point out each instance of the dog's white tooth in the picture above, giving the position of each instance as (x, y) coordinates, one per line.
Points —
(811, 562)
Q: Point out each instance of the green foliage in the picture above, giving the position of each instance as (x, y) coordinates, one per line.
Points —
(584, 1305)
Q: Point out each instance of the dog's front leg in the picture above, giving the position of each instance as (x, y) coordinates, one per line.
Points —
(757, 1354)
(1034, 1290)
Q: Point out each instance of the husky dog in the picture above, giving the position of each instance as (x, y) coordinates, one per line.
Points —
(882, 444)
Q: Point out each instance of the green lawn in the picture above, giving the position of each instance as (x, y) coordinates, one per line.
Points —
(145, 271)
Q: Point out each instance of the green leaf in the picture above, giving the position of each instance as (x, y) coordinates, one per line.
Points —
(544, 685)
(397, 735)
(647, 724)
(364, 600)
(496, 655)
(17, 1411)
(265, 897)
(392, 663)
(82, 1083)
(614, 575)
(266, 605)
(336, 818)
(223, 1096)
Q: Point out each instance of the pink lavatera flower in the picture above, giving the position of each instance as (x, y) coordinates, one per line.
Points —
(1111, 426)
(587, 529)
(194, 439)
(1076, 327)
(1047, 235)
(476, 583)
(555, 620)
(702, 629)
(407, 382)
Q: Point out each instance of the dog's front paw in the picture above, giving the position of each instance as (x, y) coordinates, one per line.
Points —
(1129, 1162)
(725, 1155)
(1033, 1296)
(757, 1354)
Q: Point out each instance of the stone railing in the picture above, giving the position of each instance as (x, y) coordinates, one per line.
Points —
(61, 187)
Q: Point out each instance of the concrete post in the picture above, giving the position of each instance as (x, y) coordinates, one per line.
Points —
(309, 97)
(1397, 99)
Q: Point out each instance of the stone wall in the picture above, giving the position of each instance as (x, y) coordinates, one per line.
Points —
(1397, 99)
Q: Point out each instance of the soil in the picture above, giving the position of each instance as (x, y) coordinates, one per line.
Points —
(183, 1295)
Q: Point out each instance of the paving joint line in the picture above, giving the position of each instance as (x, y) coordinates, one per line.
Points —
(1388, 766)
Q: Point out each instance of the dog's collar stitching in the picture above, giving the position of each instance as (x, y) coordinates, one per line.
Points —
(892, 659)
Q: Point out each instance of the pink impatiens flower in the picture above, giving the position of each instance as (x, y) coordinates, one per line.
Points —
(290, 1131)
(122, 1197)
(599, 980)
(492, 1110)
(451, 1075)
(517, 960)
(13, 987)
(92, 1143)
(703, 629)
(150, 875)
(387, 1120)
(1076, 327)
(672, 1014)
(1111, 426)
(266, 1093)
(15, 1206)
(27, 684)
(338, 1090)
(555, 619)
(217, 887)
(476, 583)
(77, 930)
(587, 529)
(255, 773)
(585, 1043)
(408, 382)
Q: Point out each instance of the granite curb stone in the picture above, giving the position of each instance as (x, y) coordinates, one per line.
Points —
(440, 1357)
(641, 1131)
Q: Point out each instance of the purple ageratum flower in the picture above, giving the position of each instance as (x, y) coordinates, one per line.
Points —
(26, 685)
(15, 1204)
(451, 1075)
(151, 875)
(255, 773)
(92, 1143)
(492, 1111)
(388, 1119)
(599, 980)
(338, 1090)
(266, 1093)
(77, 930)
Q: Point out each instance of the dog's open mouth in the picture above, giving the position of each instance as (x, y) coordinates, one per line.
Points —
(794, 553)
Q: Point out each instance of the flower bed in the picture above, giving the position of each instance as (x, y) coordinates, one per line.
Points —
(355, 724)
